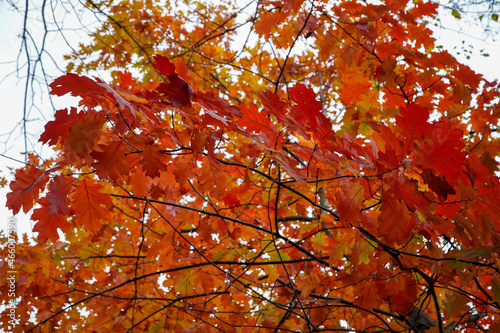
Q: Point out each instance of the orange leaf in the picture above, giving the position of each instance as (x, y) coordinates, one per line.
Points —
(200, 140)
(89, 205)
(139, 182)
(253, 120)
(395, 222)
(267, 22)
(311, 282)
(152, 161)
(350, 203)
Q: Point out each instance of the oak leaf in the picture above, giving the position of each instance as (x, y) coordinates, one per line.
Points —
(254, 121)
(274, 105)
(57, 129)
(82, 137)
(25, 189)
(218, 105)
(111, 160)
(413, 122)
(85, 87)
(176, 91)
(309, 109)
(152, 161)
(395, 221)
(48, 222)
(57, 197)
(163, 65)
(89, 205)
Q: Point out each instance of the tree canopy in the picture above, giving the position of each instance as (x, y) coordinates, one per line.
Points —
(275, 166)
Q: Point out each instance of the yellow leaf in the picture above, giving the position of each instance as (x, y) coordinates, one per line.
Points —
(456, 14)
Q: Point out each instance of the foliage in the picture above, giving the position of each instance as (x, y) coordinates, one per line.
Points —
(209, 190)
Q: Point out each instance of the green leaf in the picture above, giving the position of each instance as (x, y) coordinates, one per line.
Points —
(494, 17)
(456, 14)
(495, 288)
(275, 256)
(364, 258)
(319, 241)
(156, 328)
(456, 305)
(473, 253)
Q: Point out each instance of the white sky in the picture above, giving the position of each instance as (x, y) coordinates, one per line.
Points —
(12, 87)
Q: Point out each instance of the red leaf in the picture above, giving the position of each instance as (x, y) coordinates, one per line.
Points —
(86, 87)
(82, 137)
(57, 197)
(152, 162)
(289, 166)
(407, 191)
(309, 109)
(232, 197)
(176, 91)
(26, 188)
(443, 152)
(75, 85)
(111, 162)
(413, 121)
(438, 184)
(48, 223)
(220, 106)
(274, 105)
(58, 128)
(295, 119)
(163, 65)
